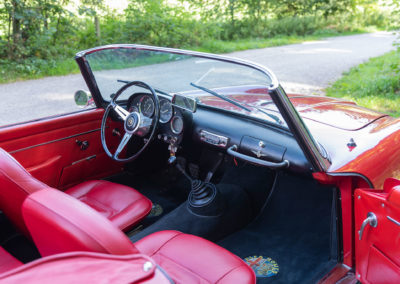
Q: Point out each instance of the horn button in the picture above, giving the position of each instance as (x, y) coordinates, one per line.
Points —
(132, 122)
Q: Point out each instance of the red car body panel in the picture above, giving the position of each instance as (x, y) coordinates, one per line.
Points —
(377, 253)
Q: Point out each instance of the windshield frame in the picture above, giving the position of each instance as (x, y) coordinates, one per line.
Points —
(295, 123)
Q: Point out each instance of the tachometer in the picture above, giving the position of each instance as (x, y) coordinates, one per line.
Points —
(146, 106)
(165, 111)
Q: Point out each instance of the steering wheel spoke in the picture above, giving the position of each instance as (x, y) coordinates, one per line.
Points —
(122, 144)
(122, 113)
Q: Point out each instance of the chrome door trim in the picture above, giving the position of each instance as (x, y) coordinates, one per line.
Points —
(53, 141)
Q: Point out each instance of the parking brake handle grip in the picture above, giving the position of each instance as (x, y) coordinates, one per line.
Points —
(233, 152)
(370, 220)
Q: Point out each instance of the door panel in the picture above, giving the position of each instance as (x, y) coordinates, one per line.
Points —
(378, 251)
(49, 148)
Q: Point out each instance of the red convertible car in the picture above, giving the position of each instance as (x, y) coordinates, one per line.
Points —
(186, 167)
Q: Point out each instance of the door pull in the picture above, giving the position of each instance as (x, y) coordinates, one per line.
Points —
(370, 220)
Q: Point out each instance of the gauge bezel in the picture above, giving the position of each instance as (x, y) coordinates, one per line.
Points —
(171, 111)
(141, 101)
(172, 125)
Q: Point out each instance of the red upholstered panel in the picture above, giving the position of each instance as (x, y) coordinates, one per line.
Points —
(59, 223)
(83, 267)
(190, 259)
(123, 205)
(7, 261)
(15, 185)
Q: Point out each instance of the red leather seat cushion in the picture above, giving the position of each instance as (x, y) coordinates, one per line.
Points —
(7, 261)
(190, 259)
(122, 205)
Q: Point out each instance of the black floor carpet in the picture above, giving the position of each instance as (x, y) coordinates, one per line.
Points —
(293, 230)
(165, 192)
(15, 243)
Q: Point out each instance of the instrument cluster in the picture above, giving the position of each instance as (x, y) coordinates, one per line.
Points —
(171, 121)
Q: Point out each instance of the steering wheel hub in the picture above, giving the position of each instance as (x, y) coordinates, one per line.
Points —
(132, 122)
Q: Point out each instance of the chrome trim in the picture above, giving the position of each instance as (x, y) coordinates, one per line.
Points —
(53, 141)
(300, 131)
(393, 220)
(269, 73)
(84, 159)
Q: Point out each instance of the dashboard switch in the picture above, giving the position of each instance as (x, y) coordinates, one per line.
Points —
(213, 139)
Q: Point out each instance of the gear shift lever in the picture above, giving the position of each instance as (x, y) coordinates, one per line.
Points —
(203, 196)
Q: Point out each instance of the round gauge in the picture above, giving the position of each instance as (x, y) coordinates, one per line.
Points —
(146, 106)
(165, 111)
(177, 125)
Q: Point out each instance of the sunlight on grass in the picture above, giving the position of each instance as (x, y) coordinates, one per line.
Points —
(374, 84)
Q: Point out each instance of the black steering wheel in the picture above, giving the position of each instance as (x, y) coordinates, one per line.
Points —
(135, 123)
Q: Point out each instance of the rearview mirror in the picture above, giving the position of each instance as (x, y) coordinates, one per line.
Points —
(184, 102)
(83, 99)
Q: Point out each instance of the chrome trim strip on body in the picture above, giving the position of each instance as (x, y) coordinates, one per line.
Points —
(53, 141)
(393, 220)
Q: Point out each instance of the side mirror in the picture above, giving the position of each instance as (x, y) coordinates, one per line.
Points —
(184, 102)
(83, 99)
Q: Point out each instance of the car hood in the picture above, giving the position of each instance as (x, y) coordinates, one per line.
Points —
(332, 112)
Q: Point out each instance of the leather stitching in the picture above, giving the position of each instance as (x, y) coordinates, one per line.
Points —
(177, 234)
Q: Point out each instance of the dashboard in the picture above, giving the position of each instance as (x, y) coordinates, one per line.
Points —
(221, 130)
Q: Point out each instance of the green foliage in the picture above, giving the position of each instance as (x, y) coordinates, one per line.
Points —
(374, 84)
(34, 34)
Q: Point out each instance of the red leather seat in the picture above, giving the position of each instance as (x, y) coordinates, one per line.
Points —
(59, 223)
(190, 259)
(7, 261)
(123, 205)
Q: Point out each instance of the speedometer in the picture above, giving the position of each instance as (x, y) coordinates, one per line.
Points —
(165, 111)
(146, 106)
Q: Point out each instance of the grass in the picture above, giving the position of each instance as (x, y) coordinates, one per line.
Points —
(38, 68)
(374, 84)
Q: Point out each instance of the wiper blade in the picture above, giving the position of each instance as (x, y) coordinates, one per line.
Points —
(274, 117)
(220, 96)
(157, 90)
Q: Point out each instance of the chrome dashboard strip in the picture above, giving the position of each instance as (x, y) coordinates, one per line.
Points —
(53, 141)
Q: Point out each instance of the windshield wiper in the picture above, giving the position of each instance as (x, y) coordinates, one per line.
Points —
(220, 96)
(274, 117)
(157, 90)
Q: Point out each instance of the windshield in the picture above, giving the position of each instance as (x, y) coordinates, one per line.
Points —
(217, 83)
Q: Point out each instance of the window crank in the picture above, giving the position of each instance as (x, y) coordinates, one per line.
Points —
(371, 220)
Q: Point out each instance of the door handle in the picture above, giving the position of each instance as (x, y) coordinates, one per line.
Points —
(370, 220)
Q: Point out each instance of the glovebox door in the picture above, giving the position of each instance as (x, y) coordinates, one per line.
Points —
(377, 233)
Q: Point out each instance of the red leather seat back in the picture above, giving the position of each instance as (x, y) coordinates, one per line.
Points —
(59, 223)
(15, 185)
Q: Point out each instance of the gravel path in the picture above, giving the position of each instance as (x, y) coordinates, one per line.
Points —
(305, 68)
(309, 67)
